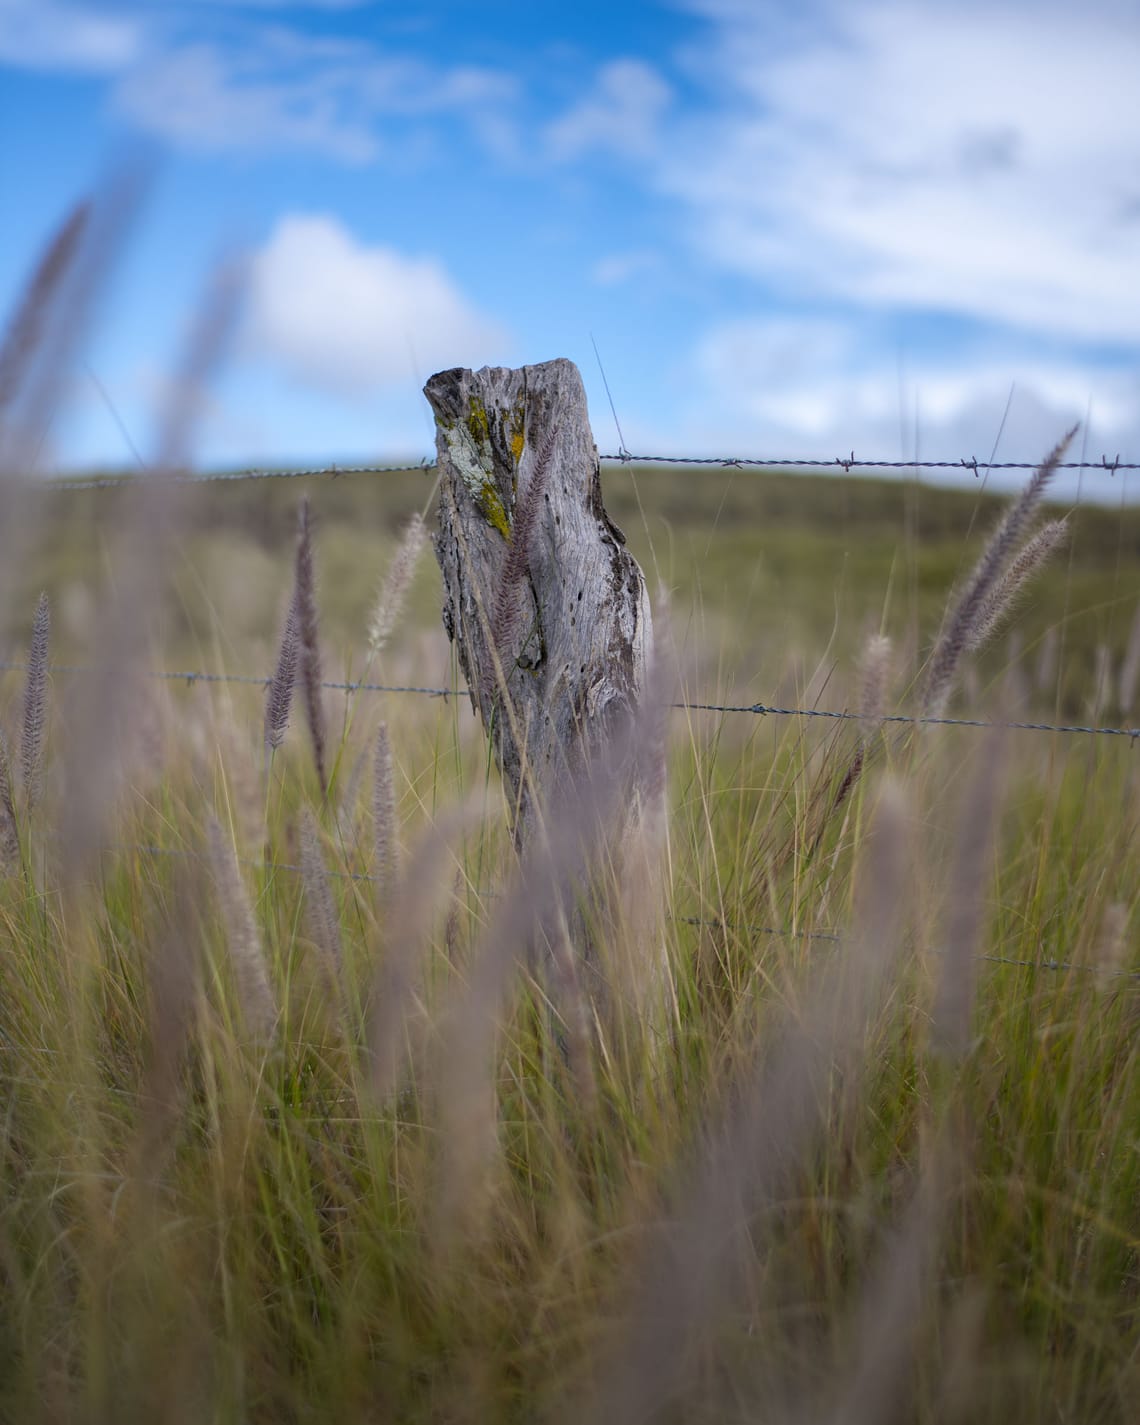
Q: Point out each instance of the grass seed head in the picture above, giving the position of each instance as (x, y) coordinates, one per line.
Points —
(279, 697)
(35, 704)
(963, 622)
(251, 977)
(309, 655)
(394, 593)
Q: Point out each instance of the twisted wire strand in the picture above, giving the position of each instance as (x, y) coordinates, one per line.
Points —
(194, 675)
(623, 457)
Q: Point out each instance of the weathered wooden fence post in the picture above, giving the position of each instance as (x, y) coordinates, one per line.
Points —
(541, 597)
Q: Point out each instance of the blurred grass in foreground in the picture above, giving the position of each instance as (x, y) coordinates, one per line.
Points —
(198, 1224)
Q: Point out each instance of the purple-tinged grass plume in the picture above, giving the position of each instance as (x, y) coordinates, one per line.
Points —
(251, 978)
(35, 704)
(963, 622)
(743, 1168)
(384, 864)
(9, 827)
(506, 613)
(279, 697)
(1000, 601)
(309, 649)
(25, 330)
(320, 905)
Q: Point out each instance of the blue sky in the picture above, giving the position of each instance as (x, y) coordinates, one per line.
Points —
(791, 229)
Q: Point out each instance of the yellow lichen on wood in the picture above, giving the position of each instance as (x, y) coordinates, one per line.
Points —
(469, 446)
(478, 425)
(493, 510)
(516, 437)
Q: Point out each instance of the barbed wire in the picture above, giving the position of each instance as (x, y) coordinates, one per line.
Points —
(851, 462)
(66, 485)
(764, 710)
(846, 463)
(193, 675)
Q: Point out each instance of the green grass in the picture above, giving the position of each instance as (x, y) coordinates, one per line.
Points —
(195, 1225)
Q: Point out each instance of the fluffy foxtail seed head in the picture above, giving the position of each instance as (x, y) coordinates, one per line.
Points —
(1111, 945)
(384, 813)
(279, 698)
(1000, 601)
(305, 601)
(874, 676)
(255, 996)
(24, 331)
(9, 834)
(320, 906)
(506, 615)
(395, 591)
(963, 621)
(1130, 668)
(35, 704)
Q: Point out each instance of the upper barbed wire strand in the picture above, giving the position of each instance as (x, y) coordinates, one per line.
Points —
(64, 485)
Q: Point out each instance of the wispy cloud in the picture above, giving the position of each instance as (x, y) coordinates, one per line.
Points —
(822, 387)
(961, 158)
(275, 90)
(216, 77)
(338, 315)
(53, 36)
(194, 98)
(622, 114)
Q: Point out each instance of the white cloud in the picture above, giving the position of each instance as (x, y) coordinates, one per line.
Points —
(46, 35)
(265, 86)
(818, 388)
(199, 97)
(344, 317)
(621, 114)
(617, 268)
(969, 158)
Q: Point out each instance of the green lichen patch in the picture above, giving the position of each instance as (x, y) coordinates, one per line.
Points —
(477, 423)
(469, 447)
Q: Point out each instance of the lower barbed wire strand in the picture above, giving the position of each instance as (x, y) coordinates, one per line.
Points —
(191, 675)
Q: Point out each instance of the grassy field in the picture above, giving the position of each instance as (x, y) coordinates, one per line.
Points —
(290, 1134)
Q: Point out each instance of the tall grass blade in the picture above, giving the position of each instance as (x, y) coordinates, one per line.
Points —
(876, 1386)
(751, 1157)
(967, 901)
(1130, 668)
